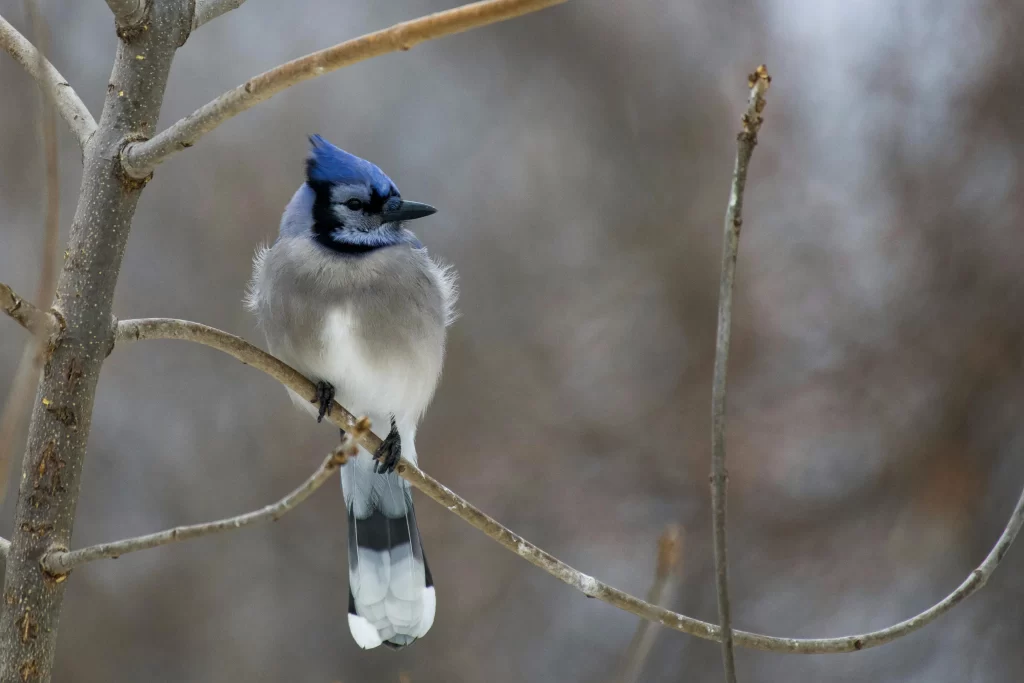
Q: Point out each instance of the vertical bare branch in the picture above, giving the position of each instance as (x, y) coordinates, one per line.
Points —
(746, 141)
(666, 579)
(71, 108)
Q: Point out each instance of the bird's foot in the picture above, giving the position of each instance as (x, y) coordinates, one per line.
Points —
(389, 453)
(325, 399)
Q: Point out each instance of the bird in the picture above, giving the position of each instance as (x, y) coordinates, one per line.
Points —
(349, 297)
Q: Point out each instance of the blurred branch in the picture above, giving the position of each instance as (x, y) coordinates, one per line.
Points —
(208, 10)
(19, 397)
(128, 13)
(167, 328)
(34, 320)
(61, 561)
(71, 108)
(666, 578)
(140, 158)
(746, 141)
(5, 547)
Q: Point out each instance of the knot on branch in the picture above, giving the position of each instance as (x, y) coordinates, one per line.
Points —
(132, 177)
(130, 18)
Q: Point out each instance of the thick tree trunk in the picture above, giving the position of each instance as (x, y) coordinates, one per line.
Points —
(62, 414)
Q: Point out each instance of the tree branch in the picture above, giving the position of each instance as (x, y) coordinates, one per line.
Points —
(670, 552)
(128, 13)
(208, 10)
(166, 328)
(746, 141)
(54, 458)
(71, 108)
(36, 321)
(140, 158)
(61, 562)
(19, 397)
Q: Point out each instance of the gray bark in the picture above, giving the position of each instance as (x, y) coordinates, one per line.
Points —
(62, 411)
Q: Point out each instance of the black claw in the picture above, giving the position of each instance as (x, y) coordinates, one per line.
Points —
(389, 453)
(325, 398)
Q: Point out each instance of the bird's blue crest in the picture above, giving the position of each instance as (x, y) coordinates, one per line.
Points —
(330, 164)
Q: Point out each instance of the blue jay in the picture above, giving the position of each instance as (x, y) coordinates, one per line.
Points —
(349, 297)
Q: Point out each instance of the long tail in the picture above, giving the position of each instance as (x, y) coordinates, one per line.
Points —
(390, 593)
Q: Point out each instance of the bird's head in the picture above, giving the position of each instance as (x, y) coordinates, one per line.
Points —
(356, 207)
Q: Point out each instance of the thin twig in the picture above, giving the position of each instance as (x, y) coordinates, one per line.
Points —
(666, 578)
(746, 141)
(61, 562)
(128, 13)
(71, 108)
(140, 158)
(166, 328)
(208, 10)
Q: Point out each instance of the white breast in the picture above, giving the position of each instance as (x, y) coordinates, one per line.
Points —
(375, 381)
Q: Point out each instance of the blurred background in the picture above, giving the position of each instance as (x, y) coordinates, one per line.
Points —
(581, 161)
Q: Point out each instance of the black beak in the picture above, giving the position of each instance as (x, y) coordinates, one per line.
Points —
(406, 211)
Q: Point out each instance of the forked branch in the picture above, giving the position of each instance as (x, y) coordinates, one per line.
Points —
(140, 158)
(165, 328)
(70, 106)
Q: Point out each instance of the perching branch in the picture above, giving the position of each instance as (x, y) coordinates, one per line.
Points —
(166, 328)
(128, 13)
(746, 141)
(208, 10)
(71, 108)
(61, 562)
(140, 158)
(666, 578)
(36, 321)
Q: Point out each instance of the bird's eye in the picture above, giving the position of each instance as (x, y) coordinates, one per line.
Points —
(354, 204)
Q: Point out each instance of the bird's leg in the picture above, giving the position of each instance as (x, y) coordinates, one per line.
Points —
(325, 399)
(390, 451)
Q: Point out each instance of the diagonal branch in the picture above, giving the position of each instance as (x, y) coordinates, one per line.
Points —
(666, 578)
(140, 158)
(61, 562)
(71, 108)
(38, 322)
(167, 328)
(746, 141)
(208, 10)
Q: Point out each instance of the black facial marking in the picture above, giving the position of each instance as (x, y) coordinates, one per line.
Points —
(326, 221)
(377, 201)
